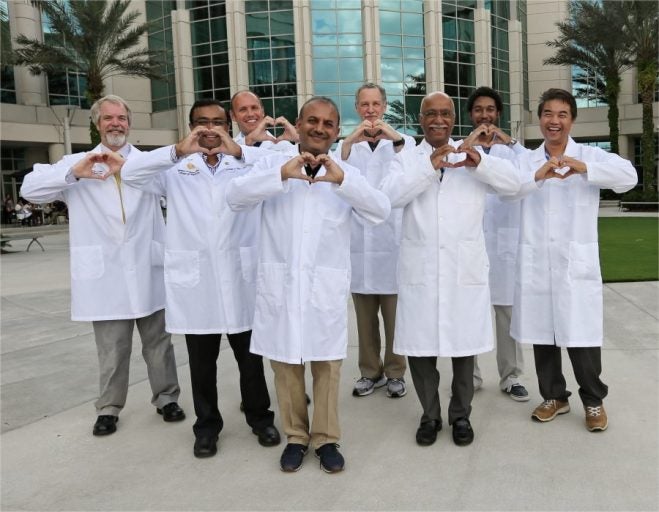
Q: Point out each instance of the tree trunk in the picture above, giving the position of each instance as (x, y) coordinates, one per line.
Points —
(95, 90)
(612, 94)
(646, 87)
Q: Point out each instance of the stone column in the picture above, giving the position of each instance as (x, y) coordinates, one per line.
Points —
(25, 19)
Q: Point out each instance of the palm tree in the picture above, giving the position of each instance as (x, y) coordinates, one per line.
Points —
(98, 39)
(405, 116)
(643, 33)
(593, 38)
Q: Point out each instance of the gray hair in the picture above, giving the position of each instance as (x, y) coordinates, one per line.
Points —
(371, 85)
(111, 98)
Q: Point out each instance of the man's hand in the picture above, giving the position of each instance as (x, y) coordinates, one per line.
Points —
(290, 132)
(465, 156)
(191, 144)
(260, 133)
(293, 168)
(333, 173)
(573, 165)
(98, 166)
(553, 168)
(368, 131)
(227, 146)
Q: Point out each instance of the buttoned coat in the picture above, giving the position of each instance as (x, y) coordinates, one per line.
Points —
(304, 259)
(558, 290)
(211, 251)
(116, 267)
(374, 249)
(443, 293)
(501, 230)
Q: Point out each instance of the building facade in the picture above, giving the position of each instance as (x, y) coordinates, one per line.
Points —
(288, 50)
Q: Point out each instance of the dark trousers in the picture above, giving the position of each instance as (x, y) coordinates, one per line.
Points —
(426, 382)
(203, 350)
(587, 366)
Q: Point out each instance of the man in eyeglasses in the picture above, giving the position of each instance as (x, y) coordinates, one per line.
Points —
(443, 293)
(210, 265)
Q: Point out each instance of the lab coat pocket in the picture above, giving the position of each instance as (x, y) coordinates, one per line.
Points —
(87, 262)
(182, 268)
(270, 284)
(473, 265)
(411, 263)
(507, 239)
(157, 254)
(248, 263)
(329, 291)
(584, 261)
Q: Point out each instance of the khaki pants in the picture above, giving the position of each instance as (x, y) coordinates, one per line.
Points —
(293, 411)
(368, 330)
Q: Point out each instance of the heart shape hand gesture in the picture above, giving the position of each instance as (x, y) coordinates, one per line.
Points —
(294, 168)
(448, 157)
(98, 166)
(290, 132)
(560, 167)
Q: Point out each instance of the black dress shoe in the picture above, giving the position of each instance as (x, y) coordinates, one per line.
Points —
(426, 434)
(268, 436)
(462, 432)
(105, 425)
(205, 446)
(171, 412)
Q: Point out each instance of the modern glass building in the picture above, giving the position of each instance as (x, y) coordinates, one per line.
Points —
(289, 50)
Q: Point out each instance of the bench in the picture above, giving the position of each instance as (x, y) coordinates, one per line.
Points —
(624, 205)
(33, 237)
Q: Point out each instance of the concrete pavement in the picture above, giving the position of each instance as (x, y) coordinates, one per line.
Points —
(50, 460)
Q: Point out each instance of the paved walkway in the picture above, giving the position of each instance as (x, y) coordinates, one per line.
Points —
(50, 460)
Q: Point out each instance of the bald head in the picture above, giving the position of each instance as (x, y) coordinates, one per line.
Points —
(246, 110)
(437, 118)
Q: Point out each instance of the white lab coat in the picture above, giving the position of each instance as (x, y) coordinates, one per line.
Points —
(558, 290)
(304, 262)
(374, 249)
(211, 251)
(116, 268)
(443, 293)
(501, 230)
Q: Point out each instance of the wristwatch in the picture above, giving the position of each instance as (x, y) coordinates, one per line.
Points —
(512, 142)
(400, 142)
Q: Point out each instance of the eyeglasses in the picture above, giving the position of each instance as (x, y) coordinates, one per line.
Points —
(431, 114)
(209, 122)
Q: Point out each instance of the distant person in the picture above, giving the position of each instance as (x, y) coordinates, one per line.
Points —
(117, 236)
(8, 212)
(558, 290)
(501, 229)
(374, 249)
(210, 269)
(443, 293)
(308, 198)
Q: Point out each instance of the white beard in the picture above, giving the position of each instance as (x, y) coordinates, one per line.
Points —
(115, 140)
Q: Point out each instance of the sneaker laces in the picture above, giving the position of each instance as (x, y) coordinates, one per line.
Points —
(548, 404)
(593, 411)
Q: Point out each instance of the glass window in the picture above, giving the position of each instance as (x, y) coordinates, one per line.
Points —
(271, 64)
(210, 59)
(459, 57)
(337, 33)
(403, 62)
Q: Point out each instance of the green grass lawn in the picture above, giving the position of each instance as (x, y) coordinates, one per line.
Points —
(628, 248)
